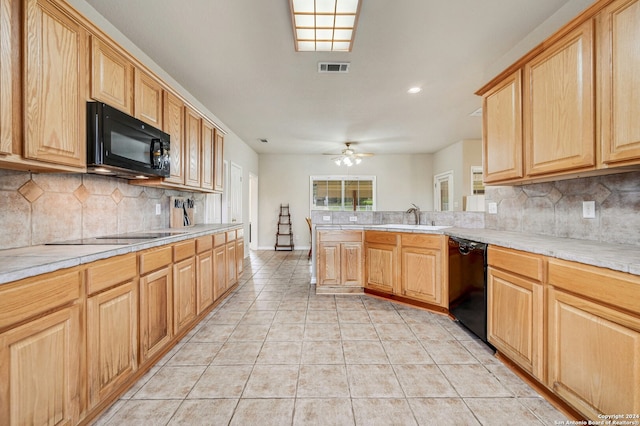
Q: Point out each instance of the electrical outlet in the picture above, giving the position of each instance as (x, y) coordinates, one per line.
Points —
(493, 208)
(158, 209)
(353, 218)
(326, 218)
(589, 209)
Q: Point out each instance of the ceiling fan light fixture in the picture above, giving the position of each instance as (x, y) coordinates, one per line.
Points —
(324, 25)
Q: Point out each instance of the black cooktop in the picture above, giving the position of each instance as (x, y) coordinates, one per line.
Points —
(113, 239)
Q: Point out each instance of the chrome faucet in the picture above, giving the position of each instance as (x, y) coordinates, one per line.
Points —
(416, 212)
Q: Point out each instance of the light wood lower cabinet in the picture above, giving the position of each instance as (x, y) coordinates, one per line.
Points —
(204, 273)
(156, 301)
(112, 325)
(340, 260)
(381, 267)
(232, 273)
(42, 359)
(184, 284)
(594, 338)
(515, 307)
(424, 269)
(239, 256)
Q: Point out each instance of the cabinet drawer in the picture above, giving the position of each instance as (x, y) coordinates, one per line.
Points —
(240, 233)
(33, 296)
(219, 239)
(422, 240)
(204, 243)
(615, 288)
(381, 237)
(231, 235)
(525, 264)
(109, 272)
(340, 236)
(184, 250)
(155, 259)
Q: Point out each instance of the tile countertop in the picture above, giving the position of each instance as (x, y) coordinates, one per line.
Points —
(24, 262)
(619, 257)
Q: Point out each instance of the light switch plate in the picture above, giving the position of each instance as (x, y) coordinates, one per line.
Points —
(353, 218)
(326, 218)
(158, 209)
(589, 209)
(493, 208)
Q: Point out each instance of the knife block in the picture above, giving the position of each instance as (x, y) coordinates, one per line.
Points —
(180, 207)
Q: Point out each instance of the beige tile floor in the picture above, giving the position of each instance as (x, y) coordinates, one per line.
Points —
(275, 353)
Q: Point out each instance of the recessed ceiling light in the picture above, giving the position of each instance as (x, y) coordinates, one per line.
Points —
(414, 90)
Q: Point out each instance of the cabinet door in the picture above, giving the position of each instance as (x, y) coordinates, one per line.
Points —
(218, 158)
(502, 131)
(381, 267)
(232, 274)
(559, 116)
(329, 263)
(239, 257)
(148, 99)
(220, 271)
(55, 73)
(619, 72)
(422, 274)
(208, 141)
(184, 293)
(351, 264)
(112, 339)
(8, 70)
(173, 124)
(156, 311)
(515, 319)
(594, 355)
(204, 276)
(111, 76)
(192, 137)
(40, 366)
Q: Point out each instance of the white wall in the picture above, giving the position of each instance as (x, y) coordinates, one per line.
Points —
(400, 179)
(459, 158)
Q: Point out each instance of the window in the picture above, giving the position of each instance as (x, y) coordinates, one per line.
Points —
(343, 193)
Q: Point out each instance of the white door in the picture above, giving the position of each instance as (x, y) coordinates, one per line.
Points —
(253, 211)
(443, 193)
(235, 190)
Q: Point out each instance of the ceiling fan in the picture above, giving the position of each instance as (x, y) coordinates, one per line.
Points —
(349, 156)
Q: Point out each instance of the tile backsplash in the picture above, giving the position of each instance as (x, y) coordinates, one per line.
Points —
(39, 208)
(555, 208)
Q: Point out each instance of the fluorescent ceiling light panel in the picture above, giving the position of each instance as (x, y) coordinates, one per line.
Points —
(324, 25)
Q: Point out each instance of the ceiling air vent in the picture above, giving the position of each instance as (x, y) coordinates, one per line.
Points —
(339, 67)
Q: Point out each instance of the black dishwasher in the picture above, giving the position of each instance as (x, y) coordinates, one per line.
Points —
(468, 284)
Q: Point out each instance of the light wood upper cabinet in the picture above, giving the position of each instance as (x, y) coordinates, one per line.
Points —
(618, 78)
(208, 141)
(423, 268)
(502, 130)
(111, 76)
(218, 159)
(173, 124)
(193, 138)
(56, 66)
(8, 67)
(515, 301)
(559, 116)
(148, 99)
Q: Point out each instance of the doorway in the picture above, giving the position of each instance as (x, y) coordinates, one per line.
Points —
(253, 212)
(235, 193)
(443, 192)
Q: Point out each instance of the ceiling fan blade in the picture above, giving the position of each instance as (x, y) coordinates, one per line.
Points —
(364, 154)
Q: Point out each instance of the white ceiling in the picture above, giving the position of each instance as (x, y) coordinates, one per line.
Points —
(237, 58)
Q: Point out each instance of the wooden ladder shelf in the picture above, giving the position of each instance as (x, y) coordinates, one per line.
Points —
(284, 233)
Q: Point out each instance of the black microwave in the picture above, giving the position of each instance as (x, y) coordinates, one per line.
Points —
(123, 146)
